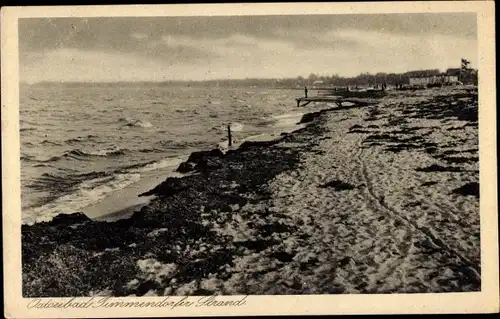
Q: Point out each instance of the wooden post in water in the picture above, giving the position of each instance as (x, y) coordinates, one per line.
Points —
(229, 140)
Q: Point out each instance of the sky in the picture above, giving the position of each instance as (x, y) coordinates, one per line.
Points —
(236, 47)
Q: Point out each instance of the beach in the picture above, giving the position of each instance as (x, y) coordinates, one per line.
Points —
(379, 196)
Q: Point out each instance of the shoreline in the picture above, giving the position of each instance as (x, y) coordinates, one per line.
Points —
(91, 240)
(258, 218)
(123, 199)
(128, 202)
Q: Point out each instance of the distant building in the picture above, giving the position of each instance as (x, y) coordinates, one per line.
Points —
(455, 72)
(448, 78)
(318, 83)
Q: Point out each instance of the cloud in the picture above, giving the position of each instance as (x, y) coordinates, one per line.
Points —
(91, 33)
(79, 65)
(302, 39)
(142, 49)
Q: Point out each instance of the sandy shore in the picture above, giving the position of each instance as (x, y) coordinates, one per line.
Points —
(377, 197)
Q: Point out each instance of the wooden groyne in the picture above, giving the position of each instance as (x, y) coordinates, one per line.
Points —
(339, 95)
(337, 100)
(307, 100)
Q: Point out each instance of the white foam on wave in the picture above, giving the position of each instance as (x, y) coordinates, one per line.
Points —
(287, 120)
(94, 191)
(236, 127)
(168, 162)
(89, 192)
(135, 122)
(143, 124)
(104, 152)
(287, 115)
(282, 123)
(224, 145)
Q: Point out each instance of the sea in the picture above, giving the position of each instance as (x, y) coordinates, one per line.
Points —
(82, 144)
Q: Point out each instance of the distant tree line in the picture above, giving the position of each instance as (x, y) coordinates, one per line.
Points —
(300, 82)
(465, 74)
(363, 79)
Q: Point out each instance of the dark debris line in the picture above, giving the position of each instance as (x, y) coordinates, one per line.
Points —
(459, 106)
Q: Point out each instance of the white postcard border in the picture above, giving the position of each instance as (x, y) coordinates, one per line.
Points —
(476, 302)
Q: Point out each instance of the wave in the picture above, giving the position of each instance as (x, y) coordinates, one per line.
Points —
(44, 142)
(46, 160)
(24, 129)
(287, 115)
(47, 142)
(56, 183)
(85, 155)
(102, 153)
(88, 192)
(264, 122)
(131, 122)
(78, 155)
(286, 120)
(235, 127)
(150, 150)
(171, 144)
(140, 124)
(80, 139)
(173, 162)
(27, 158)
(28, 122)
(72, 192)
(44, 165)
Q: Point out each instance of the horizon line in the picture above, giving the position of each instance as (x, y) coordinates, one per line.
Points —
(216, 80)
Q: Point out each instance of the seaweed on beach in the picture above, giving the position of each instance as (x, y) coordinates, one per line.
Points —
(459, 106)
(378, 137)
(439, 168)
(459, 160)
(356, 126)
(360, 131)
(402, 147)
(469, 189)
(429, 183)
(338, 185)
(309, 117)
(403, 137)
(453, 152)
